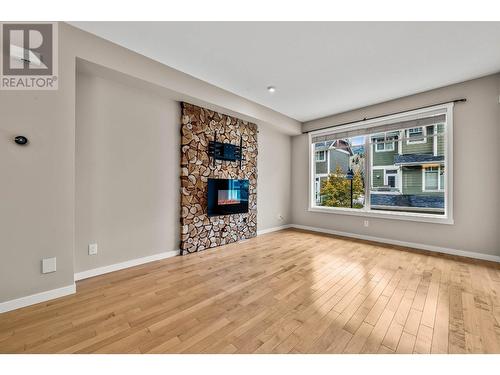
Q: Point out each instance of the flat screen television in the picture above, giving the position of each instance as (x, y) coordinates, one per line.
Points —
(227, 196)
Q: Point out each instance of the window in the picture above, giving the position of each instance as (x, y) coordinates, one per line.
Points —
(416, 135)
(383, 142)
(320, 155)
(433, 178)
(391, 177)
(408, 183)
(344, 186)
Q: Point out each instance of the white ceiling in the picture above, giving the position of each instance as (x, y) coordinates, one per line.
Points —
(318, 68)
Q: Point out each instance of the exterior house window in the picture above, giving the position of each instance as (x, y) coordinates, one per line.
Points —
(433, 178)
(378, 175)
(416, 135)
(382, 144)
(320, 155)
(391, 176)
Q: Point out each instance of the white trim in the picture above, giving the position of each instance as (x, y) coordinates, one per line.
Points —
(386, 177)
(400, 142)
(328, 164)
(368, 174)
(37, 298)
(436, 249)
(273, 229)
(385, 149)
(448, 162)
(320, 160)
(120, 266)
(391, 166)
(385, 142)
(435, 139)
(409, 141)
(312, 172)
(386, 192)
(366, 211)
(440, 188)
(392, 215)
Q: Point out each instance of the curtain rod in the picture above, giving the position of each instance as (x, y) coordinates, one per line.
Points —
(462, 100)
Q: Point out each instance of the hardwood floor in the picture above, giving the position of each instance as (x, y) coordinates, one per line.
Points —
(284, 292)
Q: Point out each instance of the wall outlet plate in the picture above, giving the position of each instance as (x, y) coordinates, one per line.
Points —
(49, 265)
(92, 249)
(366, 223)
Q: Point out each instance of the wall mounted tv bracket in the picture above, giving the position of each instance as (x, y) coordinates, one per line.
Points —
(225, 151)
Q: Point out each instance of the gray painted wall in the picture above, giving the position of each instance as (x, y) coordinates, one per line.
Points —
(476, 200)
(273, 179)
(127, 173)
(37, 209)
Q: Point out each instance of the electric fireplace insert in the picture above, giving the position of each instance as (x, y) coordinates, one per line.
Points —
(226, 197)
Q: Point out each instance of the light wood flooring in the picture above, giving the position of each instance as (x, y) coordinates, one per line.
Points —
(284, 292)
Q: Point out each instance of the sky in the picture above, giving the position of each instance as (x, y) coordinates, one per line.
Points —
(356, 141)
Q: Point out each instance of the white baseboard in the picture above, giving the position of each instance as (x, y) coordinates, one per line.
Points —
(274, 229)
(120, 266)
(70, 289)
(36, 298)
(436, 249)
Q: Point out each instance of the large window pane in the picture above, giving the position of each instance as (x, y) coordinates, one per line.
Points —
(409, 177)
(396, 165)
(340, 178)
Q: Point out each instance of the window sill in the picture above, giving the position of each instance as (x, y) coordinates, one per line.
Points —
(406, 216)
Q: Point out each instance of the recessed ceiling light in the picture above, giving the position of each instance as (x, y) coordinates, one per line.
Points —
(271, 89)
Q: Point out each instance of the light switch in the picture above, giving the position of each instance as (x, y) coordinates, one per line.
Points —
(48, 265)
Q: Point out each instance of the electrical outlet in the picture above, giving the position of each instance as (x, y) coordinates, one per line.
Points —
(366, 223)
(92, 249)
(49, 265)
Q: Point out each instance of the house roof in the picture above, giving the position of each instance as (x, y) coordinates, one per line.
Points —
(342, 145)
(338, 144)
(417, 158)
(323, 146)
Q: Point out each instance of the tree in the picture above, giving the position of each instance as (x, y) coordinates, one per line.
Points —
(336, 190)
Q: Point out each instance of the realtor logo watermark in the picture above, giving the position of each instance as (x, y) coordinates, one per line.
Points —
(28, 56)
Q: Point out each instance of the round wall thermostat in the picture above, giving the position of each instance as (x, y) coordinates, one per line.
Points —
(21, 140)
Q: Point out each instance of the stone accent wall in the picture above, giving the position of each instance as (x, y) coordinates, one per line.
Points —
(198, 231)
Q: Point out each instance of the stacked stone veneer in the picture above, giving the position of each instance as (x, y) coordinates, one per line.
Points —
(408, 200)
(198, 231)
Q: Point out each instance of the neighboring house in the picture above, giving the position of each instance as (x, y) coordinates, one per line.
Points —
(328, 156)
(409, 172)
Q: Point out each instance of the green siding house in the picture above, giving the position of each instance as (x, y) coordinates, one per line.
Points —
(408, 169)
